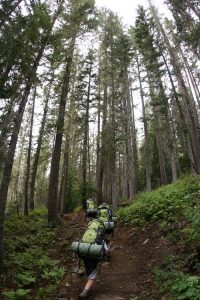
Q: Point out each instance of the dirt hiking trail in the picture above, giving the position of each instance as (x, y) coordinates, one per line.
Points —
(129, 273)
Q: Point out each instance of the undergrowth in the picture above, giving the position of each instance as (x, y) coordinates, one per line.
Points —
(176, 208)
(28, 265)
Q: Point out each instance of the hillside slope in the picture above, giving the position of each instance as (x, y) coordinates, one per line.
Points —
(129, 274)
(157, 253)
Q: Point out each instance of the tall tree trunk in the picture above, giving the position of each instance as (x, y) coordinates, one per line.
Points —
(55, 162)
(98, 154)
(159, 142)
(134, 142)
(28, 163)
(125, 191)
(5, 125)
(12, 146)
(189, 113)
(16, 182)
(132, 183)
(65, 170)
(7, 170)
(112, 149)
(64, 178)
(101, 166)
(113, 152)
(192, 79)
(173, 151)
(86, 137)
(39, 144)
(89, 162)
(147, 151)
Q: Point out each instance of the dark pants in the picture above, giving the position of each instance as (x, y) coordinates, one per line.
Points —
(90, 265)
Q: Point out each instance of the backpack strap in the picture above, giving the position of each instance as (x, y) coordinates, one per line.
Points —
(89, 249)
(103, 207)
(102, 223)
(78, 247)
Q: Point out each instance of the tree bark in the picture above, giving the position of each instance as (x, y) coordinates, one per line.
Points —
(13, 142)
(147, 151)
(86, 137)
(189, 113)
(28, 163)
(39, 144)
(131, 152)
(101, 166)
(192, 79)
(159, 142)
(55, 162)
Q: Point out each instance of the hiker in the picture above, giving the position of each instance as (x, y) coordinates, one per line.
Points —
(92, 267)
(104, 212)
(90, 209)
(91, 249)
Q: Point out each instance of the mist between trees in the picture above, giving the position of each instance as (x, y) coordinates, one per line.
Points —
(69, 119)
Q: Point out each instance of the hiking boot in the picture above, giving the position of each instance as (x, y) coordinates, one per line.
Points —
(84, 294)
(108, 256)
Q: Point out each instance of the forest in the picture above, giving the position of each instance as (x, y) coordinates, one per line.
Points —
(91, 107)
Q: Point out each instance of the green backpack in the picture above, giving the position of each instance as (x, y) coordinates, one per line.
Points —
(90, 204)
(103, 213)
(94, 232)
(92, 243)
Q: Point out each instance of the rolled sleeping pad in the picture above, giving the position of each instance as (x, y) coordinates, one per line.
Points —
(87, 250)
(109, 226)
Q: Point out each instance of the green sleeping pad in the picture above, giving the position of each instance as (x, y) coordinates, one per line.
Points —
(87, 250)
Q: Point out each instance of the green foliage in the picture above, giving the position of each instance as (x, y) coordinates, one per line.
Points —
(78, 209)
(25, 278)
(168, 203)
(75, 191)
(181, 286)
(176, 208)
(16, 295)
(29, 242)
(43, 293)
(55, 275)
(195, 228)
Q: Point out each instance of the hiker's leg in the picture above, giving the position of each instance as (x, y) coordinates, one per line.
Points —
(107, 249)
(91, 267)
(87, 288)
(89, 284)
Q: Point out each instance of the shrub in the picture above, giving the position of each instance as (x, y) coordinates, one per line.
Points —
(179, 285)
(168, 203)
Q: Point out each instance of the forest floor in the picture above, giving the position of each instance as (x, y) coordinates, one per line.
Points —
(128, 275)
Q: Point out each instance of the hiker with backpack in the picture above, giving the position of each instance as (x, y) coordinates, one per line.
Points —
(104, 214)
(91, 250)
(91, 208)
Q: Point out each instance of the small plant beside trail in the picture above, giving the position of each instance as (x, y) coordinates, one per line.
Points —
(176, 208)
(28, 266)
